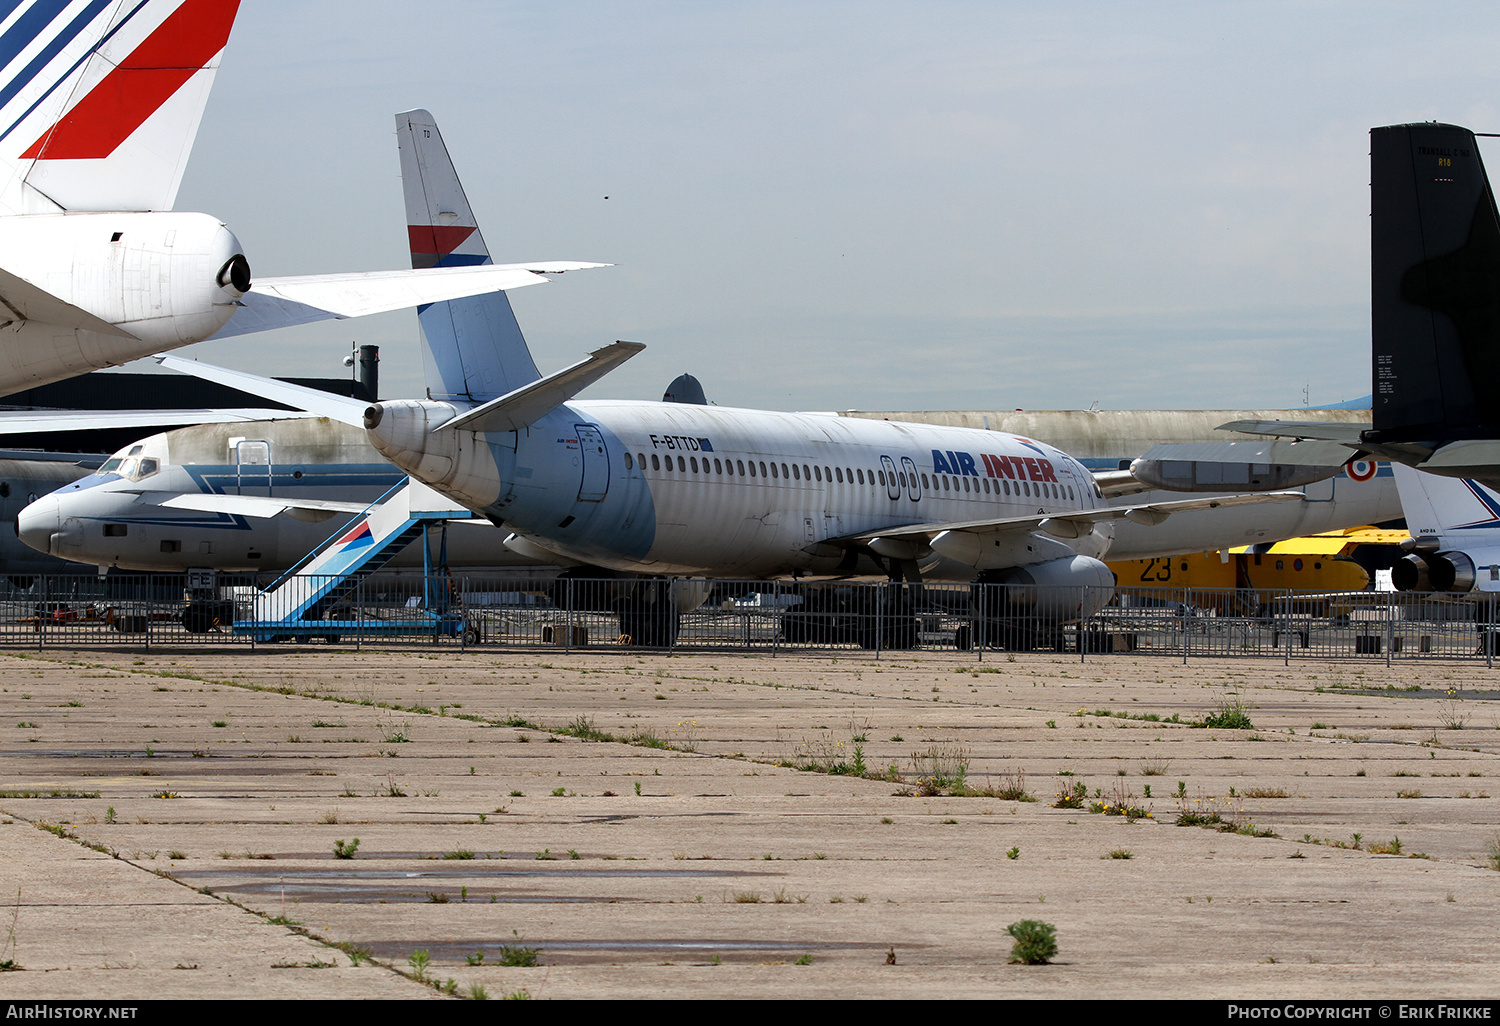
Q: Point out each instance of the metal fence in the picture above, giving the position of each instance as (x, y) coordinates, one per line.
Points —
(756, 616)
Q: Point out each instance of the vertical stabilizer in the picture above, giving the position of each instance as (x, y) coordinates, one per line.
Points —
(100, 100)
(472, 349)
(1451, 508)
(1435, 286)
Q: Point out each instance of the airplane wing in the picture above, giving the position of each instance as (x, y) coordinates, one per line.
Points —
(302, 299)
(1347, 434)
(22, 422)
(248, 505)
(1075, 523)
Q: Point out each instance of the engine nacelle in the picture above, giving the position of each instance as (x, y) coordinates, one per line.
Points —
(457, 463)
(1451, 571)
(1410, 573)
(167, 278)
(1059, 590)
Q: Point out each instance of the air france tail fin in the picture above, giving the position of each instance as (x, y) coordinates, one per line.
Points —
(100, 99)
(1435, 286)
(472, 349)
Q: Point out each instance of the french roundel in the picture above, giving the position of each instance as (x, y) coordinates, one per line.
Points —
(1360, 470)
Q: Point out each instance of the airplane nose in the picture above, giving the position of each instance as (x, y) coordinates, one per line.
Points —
(38, 522)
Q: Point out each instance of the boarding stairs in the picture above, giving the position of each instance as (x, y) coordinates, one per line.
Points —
(296, 605)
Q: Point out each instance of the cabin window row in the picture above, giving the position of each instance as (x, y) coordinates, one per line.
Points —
(845, 475)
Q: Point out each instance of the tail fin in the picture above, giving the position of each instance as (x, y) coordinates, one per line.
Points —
(472, 349)
(100, 99)
(1447, 508)
(1435, 286)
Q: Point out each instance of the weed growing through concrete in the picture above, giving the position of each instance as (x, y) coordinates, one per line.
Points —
(1120, 853)
(518, 954)
(1231, 714)
(345, 851)
(419, 961)
(1036, 942)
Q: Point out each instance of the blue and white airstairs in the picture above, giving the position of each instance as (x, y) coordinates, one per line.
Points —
(305, 601)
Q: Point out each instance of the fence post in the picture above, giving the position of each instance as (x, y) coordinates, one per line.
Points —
(1390, 634)
(672, 614)
(1084, 604)
(1489, 637)
(1187, 624)
(979, 628)
(568, 616)
(1286, 628)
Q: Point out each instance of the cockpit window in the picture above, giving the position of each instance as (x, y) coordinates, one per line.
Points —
(135, 450)
(128, 469)
(148, 467)
(110, 466)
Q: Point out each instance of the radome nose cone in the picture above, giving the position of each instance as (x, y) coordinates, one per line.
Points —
(38, 522)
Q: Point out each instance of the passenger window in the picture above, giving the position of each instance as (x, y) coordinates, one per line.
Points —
(796, 473)
(718, 467)
(818, 471)
(629, 462)
(784, 471)
(655, 462)
(693, 462)
(840, 472)
(762, 468)
(682, 464)
(741, 465)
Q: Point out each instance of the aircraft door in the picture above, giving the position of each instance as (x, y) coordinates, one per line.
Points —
(892, 484)
(252, 466)
(595, 460)
(1320, 491)
(913, 482)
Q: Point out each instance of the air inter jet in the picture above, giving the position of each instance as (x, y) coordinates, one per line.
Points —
(670, 489)
(1435, 322)
(99, 103)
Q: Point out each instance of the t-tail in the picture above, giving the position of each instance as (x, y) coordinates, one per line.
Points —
(472, 349)
(1435, 287)
(100, 99)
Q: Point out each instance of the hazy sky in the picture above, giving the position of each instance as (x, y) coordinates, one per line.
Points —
(858, 205)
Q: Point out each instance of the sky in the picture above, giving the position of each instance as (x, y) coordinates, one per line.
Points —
(828, 205)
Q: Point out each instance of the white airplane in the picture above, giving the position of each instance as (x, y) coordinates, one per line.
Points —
(672, 489)
(1435, 334)
(99, 103)
(1455, 529)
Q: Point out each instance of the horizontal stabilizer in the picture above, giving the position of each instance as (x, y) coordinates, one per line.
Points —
(21, 300)
(341, 408)
(527, 404)
(303, 299)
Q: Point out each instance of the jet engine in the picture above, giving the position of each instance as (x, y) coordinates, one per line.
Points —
(1056, 591)
(1451, 570)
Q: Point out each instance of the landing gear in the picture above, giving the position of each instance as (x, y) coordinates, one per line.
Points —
(885, 619)
(648, 616)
